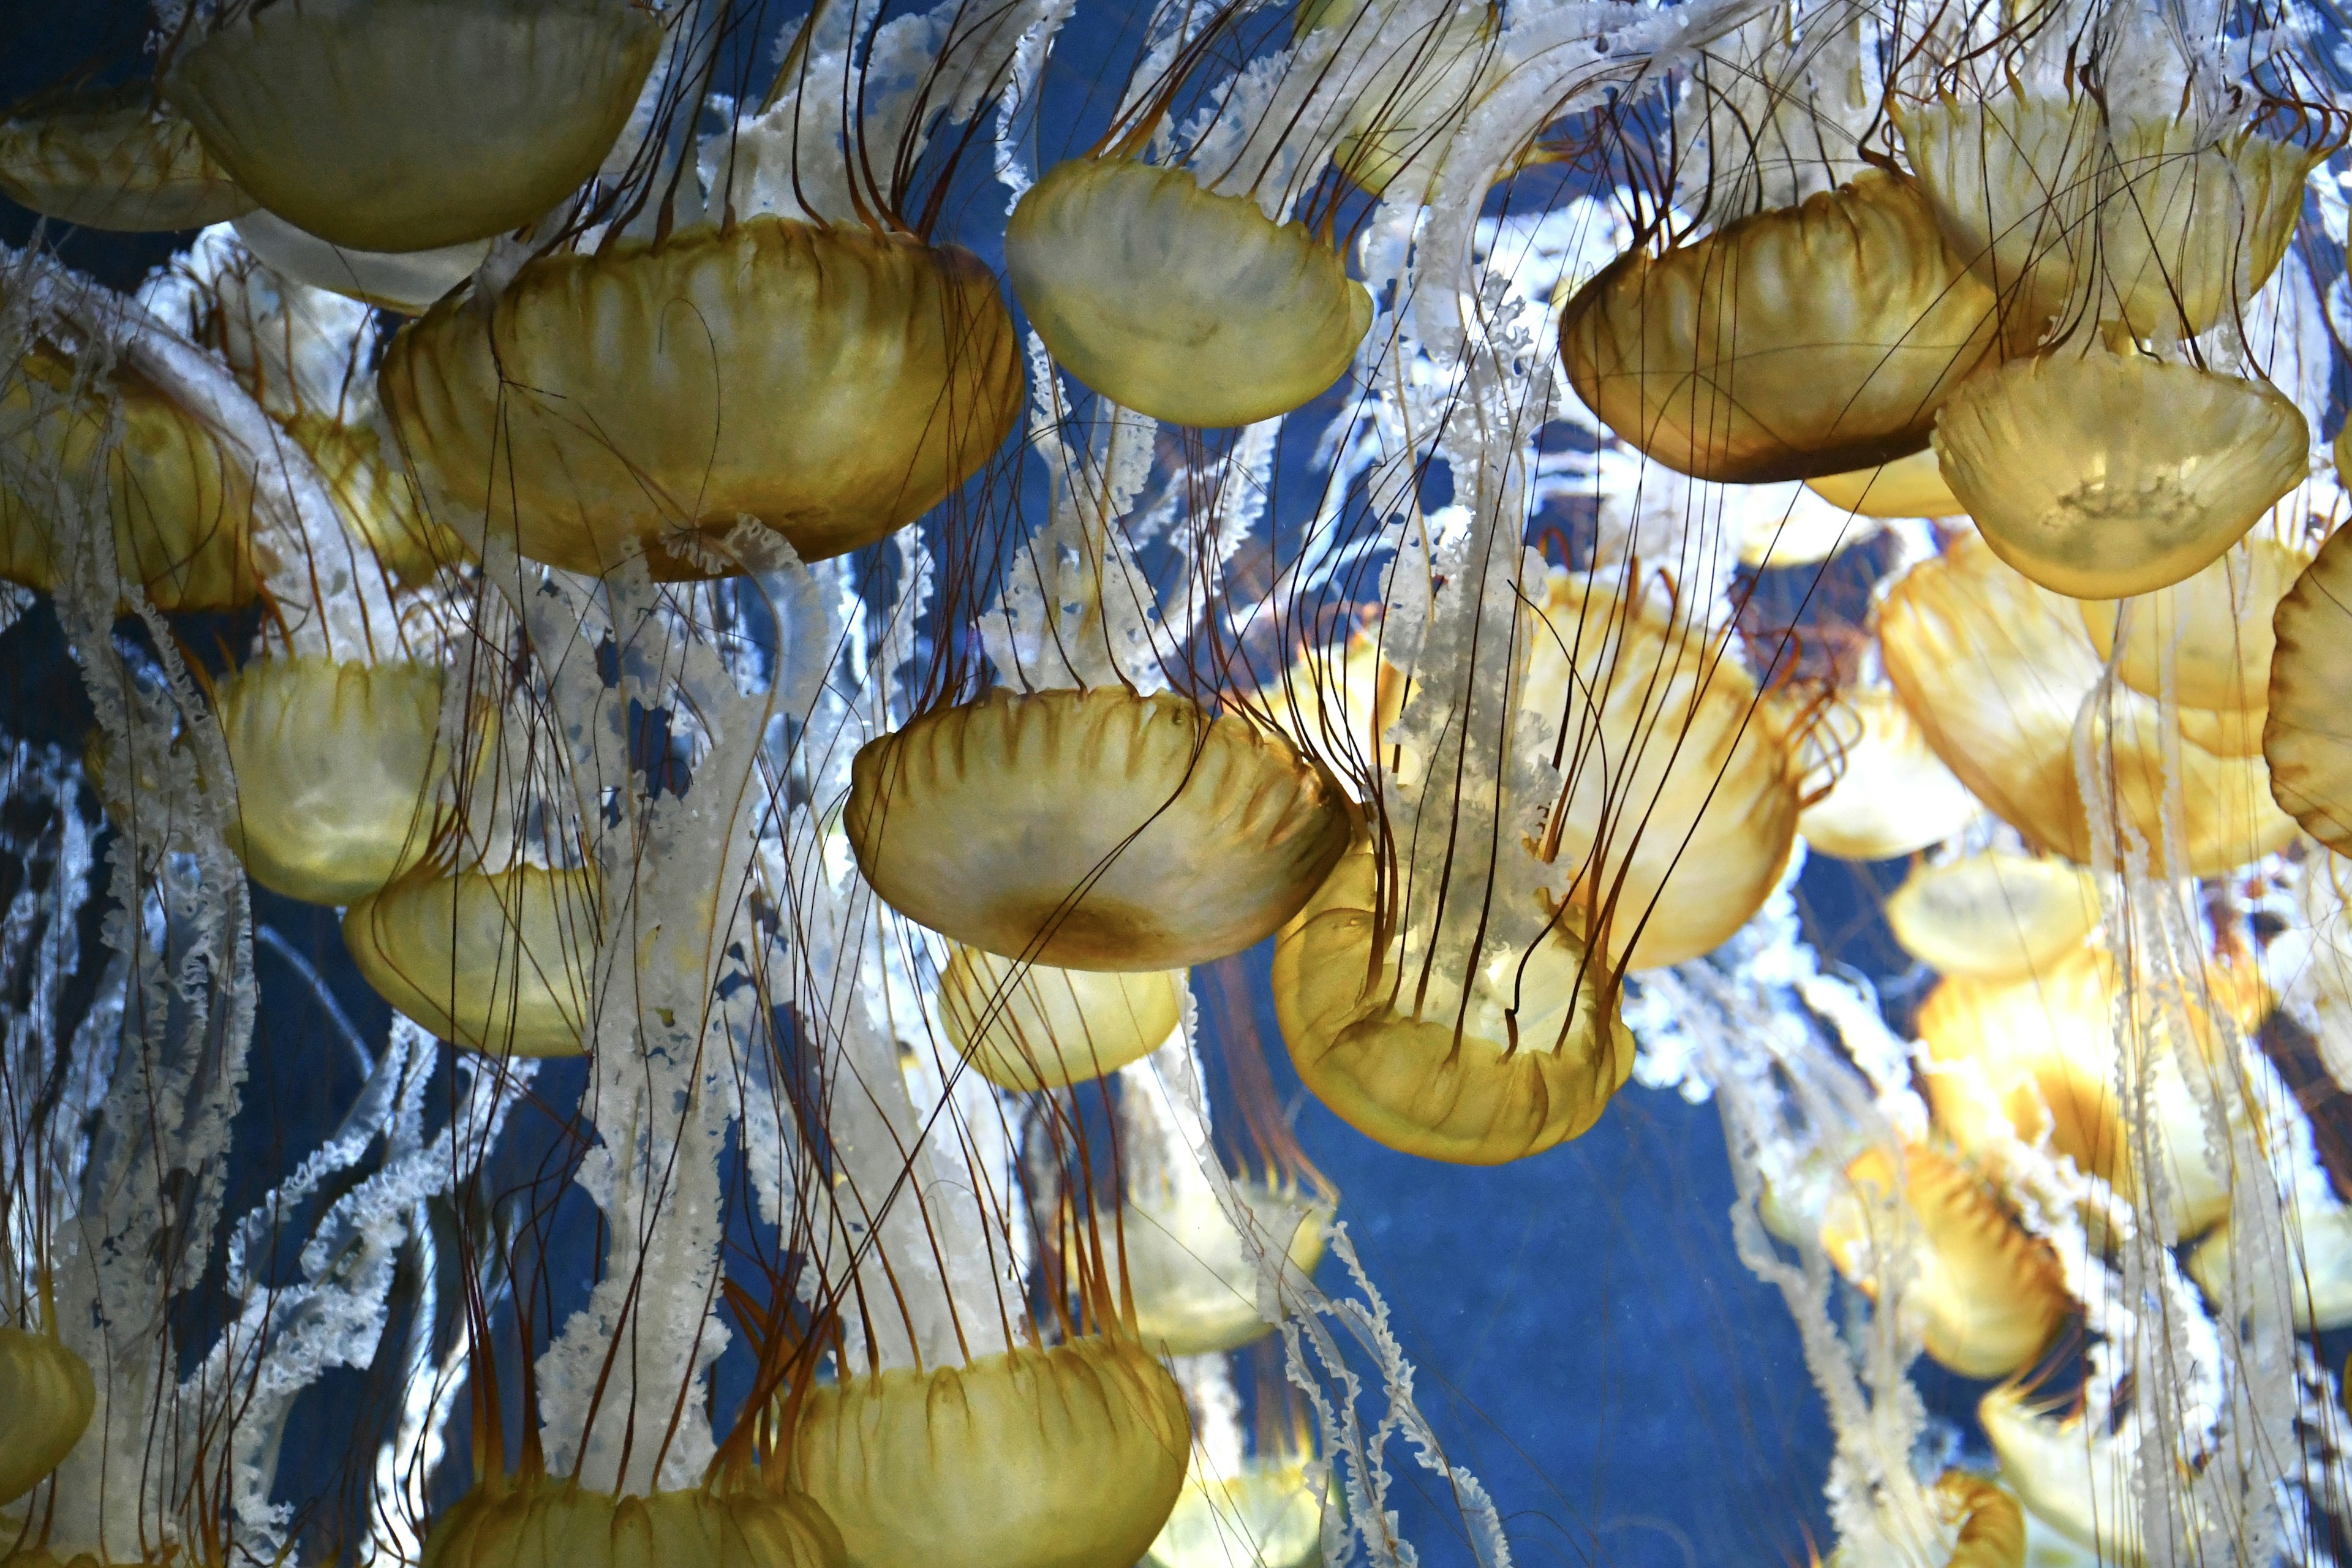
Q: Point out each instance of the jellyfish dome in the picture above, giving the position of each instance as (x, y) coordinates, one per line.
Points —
(2304, 739)
(536, 1522)
(497, 962)
(49, 1394)
(1027, 1026)
(113, 160)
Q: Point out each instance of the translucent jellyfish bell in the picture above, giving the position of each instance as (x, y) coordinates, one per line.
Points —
(2100, 475)
(49, 1394)
(2217, 624)
(335, 764)
(2070, 1477)
(1179, 303)
(406, 125)
(2305, 742)
(379, 504)
(1029, 1027)
(1994, 916)
(837, 383)
(1069, 1457)
(2318, 1249)
(1268, 1516)
(1194, 1276)
(1800, 341)
(497, 962)
(404, 282)
(113, 160)
(1905, 487)
(1990, 1298)
(532, 1521)
(1892, 794)
(1197, 837)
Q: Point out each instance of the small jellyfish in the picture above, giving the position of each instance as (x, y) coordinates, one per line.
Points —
(1197, 837)
(2102, 475)
(406, 282)
(2303, 742)
(1787, 344)
(1994, 916)
(533, 1521)
(1029, 1027)
(1194, 1276)
(407, 126)
(2216, 625)
(2009, 180)
(376, 501)
(114, 159)
(1270, 1515)
(1400, 113)
(2071, 1477)
(1905, 487)
(48, 1395)
(1889, 793)
(1068, 1457)
(496, 961)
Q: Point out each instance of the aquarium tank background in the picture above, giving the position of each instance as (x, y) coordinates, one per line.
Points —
(1029, 783)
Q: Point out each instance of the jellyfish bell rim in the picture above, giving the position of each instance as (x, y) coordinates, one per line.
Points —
(519, 1520)
(38, 1374)
(96, 196)
(982, 1021)
(2304, 746)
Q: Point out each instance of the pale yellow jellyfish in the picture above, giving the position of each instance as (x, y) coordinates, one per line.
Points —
(1027, 1026)
(1884, 791)
(407, 282)
(1194, 1276)
(2013, 180)
(1796, 342)
(535, 1522)
(335, 764)
(2216, 625)
(1989, 1298)
(377, 503)
(1092, 829)
(1179, 302)
(47, 1394)
(1905, 487)
(113, 160)
(1338, 704)
(2102, 475)
(2070, 1476)
(1399, 114)
(2306, 742)
(1997, 671)
(1069, 1457)
(836, 382)
(1268, 1516)
(2317, 1247)
(496, 961)
(409, 125)
(1994, 916)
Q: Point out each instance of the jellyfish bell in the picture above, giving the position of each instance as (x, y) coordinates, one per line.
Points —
(115, 160)
(1029, 1027)
(2068, 1476)
(2304, 741)
(1905, 487)
(1398, 114)
(2010, 181)
(2100, 475)
(49, 1394)
(1270, 1515)
(1994, 916)
(404, 282)
(1791, 343)
(1194, 1275)
(1200, 835)
(535, 1522)
(2217, 626)
(1990, 1298)
(496, 960)
(335, 764)
(1794, 525)
(1068, 1457)
(1178, 302)
(838, 383)
(431, 123)
(377, 502)
(1889, 793)
(2317, 1266)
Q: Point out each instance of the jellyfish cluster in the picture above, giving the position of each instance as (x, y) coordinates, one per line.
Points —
(874, 626)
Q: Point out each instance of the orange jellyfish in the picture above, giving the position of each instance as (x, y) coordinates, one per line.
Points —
(2304, 739)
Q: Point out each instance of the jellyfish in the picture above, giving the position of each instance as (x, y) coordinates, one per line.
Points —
(1027, 1025)
(1993, 915)
(115, 159)
(1888, 792)
(2077, 1479)
(494, 959)
(2216, 625)
(2310, 764)
(535, 1522)
(1268, 1516)
(1907, 487)
(1400, 106)
(48, 1392)
(407, 282)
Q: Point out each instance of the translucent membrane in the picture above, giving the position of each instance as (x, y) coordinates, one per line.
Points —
(1194, 1275)
(1892, 794)
(1027, 1026)
(439, 120)
(2100, 475)
(1192, 308)
(1989, 1297)
(380, 504)
(1269, 1516)
(1680, 778)
(335, 763)
(1092, 829)
(1996, 672)
(1805, 341)
(113, 160)
(2069, 1478)
(1994, 916)
(407, 282)
(2308, 741)
(2013, 180)
(181, 507)
(1907, 487)
(1066, 1457)
(525, 1522)
(2318, 1252)
(2216, 625)
(1527, 1059)
(496, 961)
(48, 1394)
(837, 383)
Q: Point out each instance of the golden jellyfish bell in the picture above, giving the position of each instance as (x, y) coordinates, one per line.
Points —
(1989, 1524)
(1891, 795)
(1192, 1273)
(1997, 670)
(379, 505)
(1994, 916)
(2102, 475)
(837, 382)
(1525, 1059)
(49, 1394)
(1177, 302)
(1093, 829)
(529, 1521)
(1681, 777)
(181, 505)
(335, 764)
(408, 124)
(1907, 487)
(2306, 740)
(1027, 1026)
(1268, 1516)
(2216, 624)
(2011, 181)
(1800, 341)
(496, 961)
(2192, 224)
(1990, 1298)
(2068, 1476)
(113, 160)
(404, 282)
(1338, 704)
(1066, 1457)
